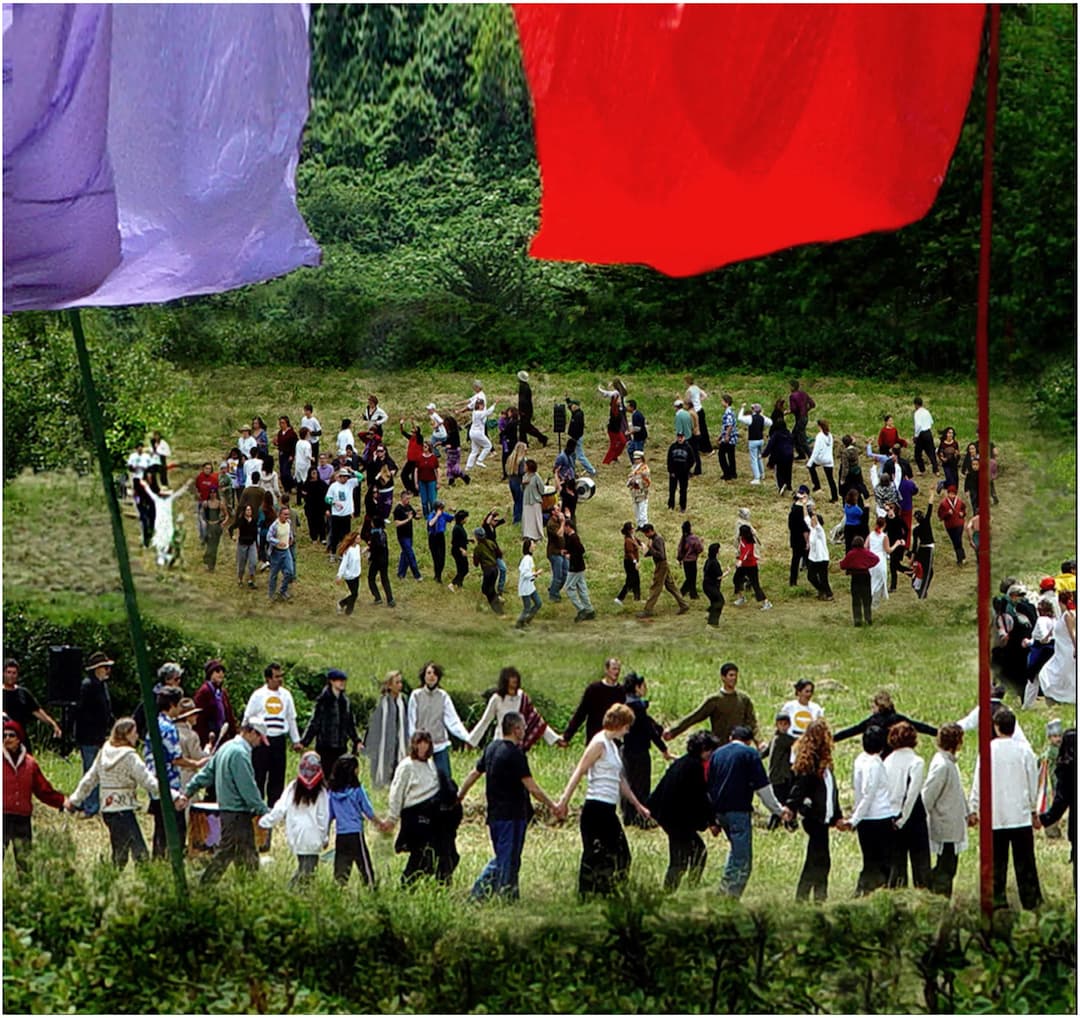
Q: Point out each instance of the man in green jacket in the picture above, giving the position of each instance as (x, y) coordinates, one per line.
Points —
(231, 772)
(723, 710)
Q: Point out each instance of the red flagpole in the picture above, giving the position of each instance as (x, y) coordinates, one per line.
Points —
(982, 363)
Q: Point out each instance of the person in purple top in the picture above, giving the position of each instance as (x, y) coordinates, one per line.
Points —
(800, 404)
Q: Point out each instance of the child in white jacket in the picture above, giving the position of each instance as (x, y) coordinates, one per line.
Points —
(305, 808)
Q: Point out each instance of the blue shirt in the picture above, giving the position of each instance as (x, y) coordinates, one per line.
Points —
(348, 809)
(170, 739)
(437, 522)
(735, 773)
(729, 420)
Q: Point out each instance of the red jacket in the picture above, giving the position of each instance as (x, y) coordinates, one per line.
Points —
(952, 511)
(859, 560)
(23, 780)
(888, 437)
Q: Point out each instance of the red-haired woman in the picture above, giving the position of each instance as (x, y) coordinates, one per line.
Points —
(814, 796)
(906, 770)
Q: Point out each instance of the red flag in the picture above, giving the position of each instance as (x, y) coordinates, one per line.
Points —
(687, 136)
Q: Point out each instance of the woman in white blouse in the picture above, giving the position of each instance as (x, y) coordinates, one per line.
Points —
(414, 799)
(872, 816)
(821, 456)
(605, 856)
(905, 770)
(509, 696)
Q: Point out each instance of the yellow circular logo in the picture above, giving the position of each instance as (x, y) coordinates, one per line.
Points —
(274, 705)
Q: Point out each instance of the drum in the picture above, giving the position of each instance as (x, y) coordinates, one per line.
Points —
(585, 488)
(547, 501)
(203, 817)
(618, 386)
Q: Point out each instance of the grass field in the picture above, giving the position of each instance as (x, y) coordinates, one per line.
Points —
(925, 652)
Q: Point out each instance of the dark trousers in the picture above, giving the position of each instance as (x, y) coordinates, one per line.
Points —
(689, 586)
(605, 855)
(695, 448)
(818, 575)
(1022, 842)
(237, 845)
(783, 474)
(269, 765)
(679, 481)
(798, 557)
(941, 877)
(461, 561)
(379, 570)
(956, 535)
(489, 579)
(912, 840)
(799, 439)
(925, 557)
(339, 527)
(875, 837)
(725, 453)
(305, 870)
(896, 565)
(159, 846)
(348, 603)
(828, 477)
(351, 850)
(632, 583)
(860, 598)
(328, 756)
(526, 428)
(637, 767)
(716, 605)
(18, 834)
(437, 546)
(924, 444)
(125, 836)
(814, 878)
(407, 559)
(686, 855)
(747, 576)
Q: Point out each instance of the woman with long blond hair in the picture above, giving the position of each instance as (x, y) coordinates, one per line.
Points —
(515, 473)
(814, 796)
(386, 742)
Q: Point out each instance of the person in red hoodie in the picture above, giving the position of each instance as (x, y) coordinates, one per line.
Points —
(413, 452)
(23, 780)
(857, 563)
(952, 512)
(888, 437)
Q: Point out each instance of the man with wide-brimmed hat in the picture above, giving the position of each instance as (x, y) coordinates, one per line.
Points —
(525, 410)
(93, 719)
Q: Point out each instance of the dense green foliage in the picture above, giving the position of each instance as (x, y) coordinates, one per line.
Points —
(46, 425)
(419, 179)
(69, 939)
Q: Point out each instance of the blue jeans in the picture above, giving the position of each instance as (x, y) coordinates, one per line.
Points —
(634, 445)
(442, 760)
(500, 875)
(517, 495)
(559, 567)
(530, 605)
(580, 457)
(757, 469)
(92, 803)
(501, 563)
(407, 559)
(280, 562)
(736, 825)
(428, 493)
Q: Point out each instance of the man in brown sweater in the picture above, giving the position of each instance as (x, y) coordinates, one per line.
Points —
(723, 710)
(662, 578)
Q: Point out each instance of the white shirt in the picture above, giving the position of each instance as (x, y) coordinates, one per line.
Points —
(162, 452)
(302, 459)
(252, 466)
(696, 395)
(819, 542)
(923, 420)
(247, 445)
(344, 438)
(821, 454)
(340, 497)
(376, 416)
(872, 800)
(450, 719)
(350, 563)
(475, 398)
(277, 708)
(137, 463)
(905, 770)
(307, 826)
(526, 576)
(415, 781)
(1014, 775)
(801, 716)
(749, 419)
(313, 425)
(497, 708)
(970, 723)
(606, 773)
(479, 418)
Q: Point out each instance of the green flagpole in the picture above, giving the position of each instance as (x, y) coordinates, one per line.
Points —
(146, 684)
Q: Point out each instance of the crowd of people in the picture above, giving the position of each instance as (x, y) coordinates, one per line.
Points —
(911, 821)
(269, 486)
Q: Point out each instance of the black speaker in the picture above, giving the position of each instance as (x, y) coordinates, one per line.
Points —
(65, 674)
(559, 419)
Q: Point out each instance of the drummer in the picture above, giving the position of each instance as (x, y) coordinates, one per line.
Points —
(565, 480)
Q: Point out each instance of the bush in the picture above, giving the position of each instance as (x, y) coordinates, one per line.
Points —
(1053, 397)
(70, 937)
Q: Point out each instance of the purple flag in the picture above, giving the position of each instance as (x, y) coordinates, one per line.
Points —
(150, 151)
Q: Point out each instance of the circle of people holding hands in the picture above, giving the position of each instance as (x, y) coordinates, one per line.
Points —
(271, 485)
(903, 813)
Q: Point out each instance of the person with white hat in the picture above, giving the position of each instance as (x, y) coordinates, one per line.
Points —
(438, 428)
(525, 411)
(639, 482)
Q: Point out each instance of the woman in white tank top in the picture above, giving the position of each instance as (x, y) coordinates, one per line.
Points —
(605, 857)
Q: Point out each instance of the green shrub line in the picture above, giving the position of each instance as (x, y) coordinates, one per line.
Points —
(71, 937)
